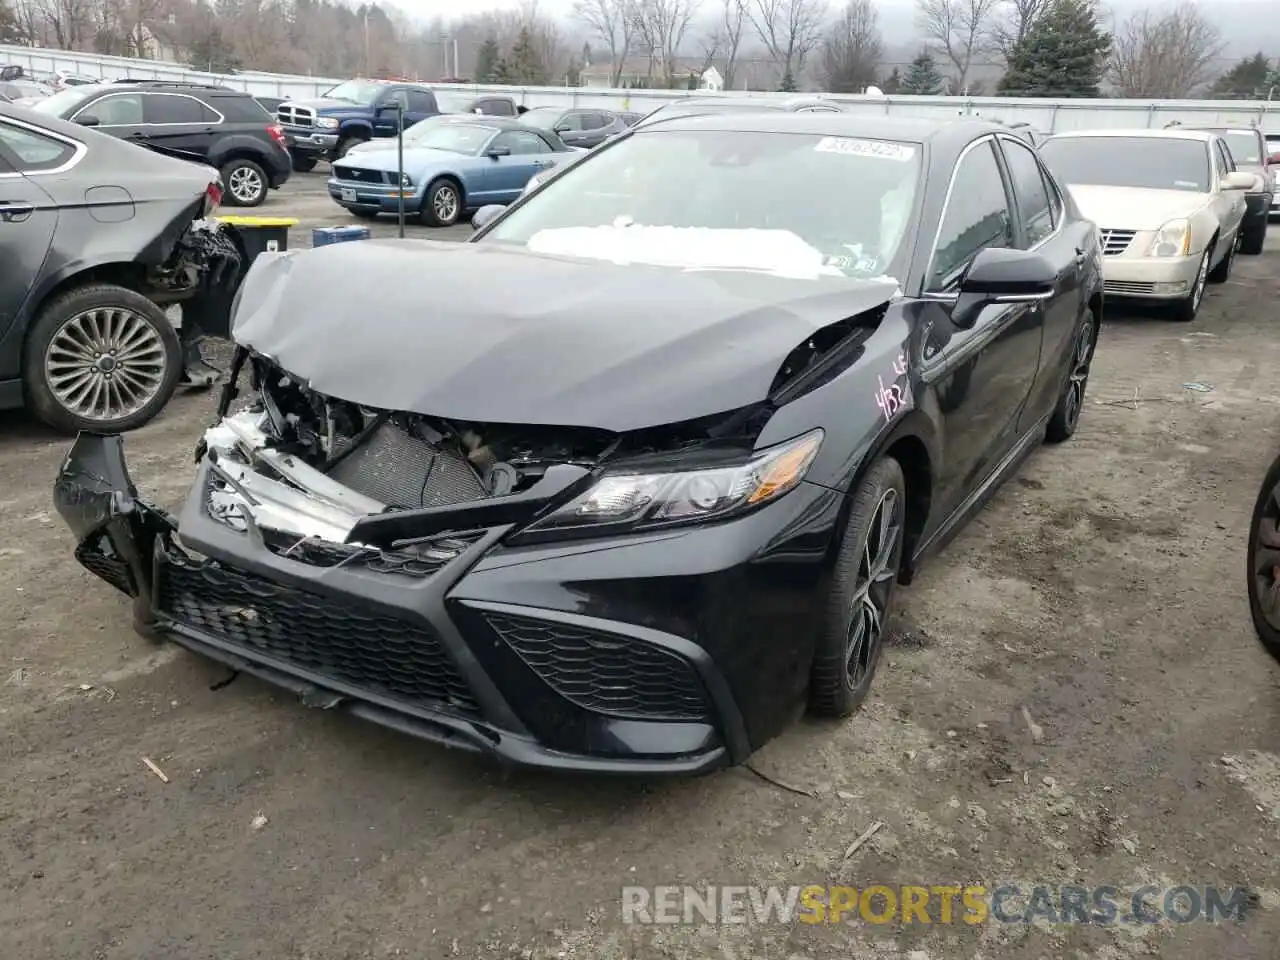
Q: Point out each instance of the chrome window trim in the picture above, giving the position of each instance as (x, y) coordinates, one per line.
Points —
(1049, 191)
(78, 149)
(152, 93)
(987, 140)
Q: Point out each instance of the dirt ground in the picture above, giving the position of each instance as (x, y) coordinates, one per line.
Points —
(1075, 697)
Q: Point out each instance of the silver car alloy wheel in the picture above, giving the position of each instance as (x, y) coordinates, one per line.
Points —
(105, 364)
(445, 204)
(245, 184)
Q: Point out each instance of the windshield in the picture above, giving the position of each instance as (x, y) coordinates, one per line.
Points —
(356, 91)
(1153, 163)
(796, 205)
(465, 138)
(62, 103)
(544, 117)
(1243, 145)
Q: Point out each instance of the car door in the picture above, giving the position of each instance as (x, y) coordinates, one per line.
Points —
(1228, 204)
(385, 117)
(572, 128)
(119, 114)
(1040, 213)
(28, 215)
(180, 122)
(508, 174)
(421, 104)
(981, 376)
(597, 127)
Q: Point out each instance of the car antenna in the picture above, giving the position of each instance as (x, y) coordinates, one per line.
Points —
(400, 165)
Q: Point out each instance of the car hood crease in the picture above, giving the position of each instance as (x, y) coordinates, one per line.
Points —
(487, 333)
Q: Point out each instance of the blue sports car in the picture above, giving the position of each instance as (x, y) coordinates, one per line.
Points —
(449, 169)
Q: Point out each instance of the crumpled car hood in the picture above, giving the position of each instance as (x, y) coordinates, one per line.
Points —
(482, 332)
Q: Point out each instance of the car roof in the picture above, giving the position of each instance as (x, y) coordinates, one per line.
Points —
(952, 133)
(485, 120)
(1164, 133)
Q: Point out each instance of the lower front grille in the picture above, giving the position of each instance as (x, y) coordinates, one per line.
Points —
(360, 174)
(333, 638)
(1129, 288)
(97, 555)
(604, 672)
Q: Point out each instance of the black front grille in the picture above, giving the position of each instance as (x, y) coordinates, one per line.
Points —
(97, 555)
(360, 174)
(605, 672)
(339, 639)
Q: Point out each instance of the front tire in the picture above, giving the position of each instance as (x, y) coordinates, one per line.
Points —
(246, 183)
(345, 145)
(442, 205)
(1264, 561)
(1185, 310)
(303, 163)
(101, 358)
(1222, 272)
(1066, 415)
(862, 582)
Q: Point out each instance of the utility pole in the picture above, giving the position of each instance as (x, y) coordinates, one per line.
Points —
(366, 42)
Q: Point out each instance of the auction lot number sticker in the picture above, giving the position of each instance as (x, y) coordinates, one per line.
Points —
(865, 148)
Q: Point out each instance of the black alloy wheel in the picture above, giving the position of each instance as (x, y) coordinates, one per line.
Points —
(1264, 561)
(865, 573)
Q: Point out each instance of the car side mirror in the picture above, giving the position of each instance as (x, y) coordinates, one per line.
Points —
(1003, 275)
(484, 216)
(88, 120)
(1238, 180)
(561, 128)
(493, 153)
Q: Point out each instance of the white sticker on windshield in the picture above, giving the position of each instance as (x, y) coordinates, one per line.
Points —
(866, 148)
(1186, 184)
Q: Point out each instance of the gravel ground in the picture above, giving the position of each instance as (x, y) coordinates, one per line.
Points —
(1075, 697)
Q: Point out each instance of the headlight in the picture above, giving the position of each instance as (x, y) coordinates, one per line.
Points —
(1172, 240)
(326, 123)
(406, 180)
(641, 500)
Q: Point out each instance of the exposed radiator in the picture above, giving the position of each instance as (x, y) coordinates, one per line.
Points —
(403, 470)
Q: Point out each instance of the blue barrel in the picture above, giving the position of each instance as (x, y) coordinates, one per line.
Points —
(323, 236)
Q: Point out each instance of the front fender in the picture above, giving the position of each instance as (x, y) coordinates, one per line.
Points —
(355, 128)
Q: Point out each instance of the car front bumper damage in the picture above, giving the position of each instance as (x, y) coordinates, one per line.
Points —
(636, 654)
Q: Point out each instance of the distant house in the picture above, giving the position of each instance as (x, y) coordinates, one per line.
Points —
(641, 72)
(711, 80)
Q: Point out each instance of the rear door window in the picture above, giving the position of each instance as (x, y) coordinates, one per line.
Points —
(1029, 187)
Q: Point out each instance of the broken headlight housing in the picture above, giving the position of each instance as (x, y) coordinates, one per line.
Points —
(626, 501)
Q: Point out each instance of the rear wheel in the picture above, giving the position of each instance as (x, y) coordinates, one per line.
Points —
(303, 163)
(245, 182)
(1252, 239)
(442, 205)
(1062, 424)
(1264, 562)
(862, 582)
(100, 358)
(1187, 308)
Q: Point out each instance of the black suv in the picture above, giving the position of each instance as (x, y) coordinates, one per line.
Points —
(225, 128)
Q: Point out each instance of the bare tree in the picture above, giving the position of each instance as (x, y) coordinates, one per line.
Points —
(961, 28)
(790, 30)
(724, 41)
(1164, 55)
(1015, 20)
(852, 49)
(68, 21)
(613, 22)
(661, 26)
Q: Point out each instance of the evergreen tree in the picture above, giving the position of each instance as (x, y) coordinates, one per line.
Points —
(788, 83)
(892, 83)
(1249, 79)
(502, 72)
(487, 58)
(1063, 54)
(922, 78)
(524, 62)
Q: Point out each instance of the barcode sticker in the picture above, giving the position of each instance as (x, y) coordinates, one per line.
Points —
(882, 149)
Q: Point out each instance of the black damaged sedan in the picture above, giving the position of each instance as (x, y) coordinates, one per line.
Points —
(627, 481)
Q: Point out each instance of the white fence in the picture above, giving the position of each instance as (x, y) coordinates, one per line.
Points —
(1049, 116)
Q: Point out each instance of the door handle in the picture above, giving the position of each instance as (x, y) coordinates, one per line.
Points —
(15, 211)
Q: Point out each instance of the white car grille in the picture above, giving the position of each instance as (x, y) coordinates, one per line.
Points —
(1116, 242)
